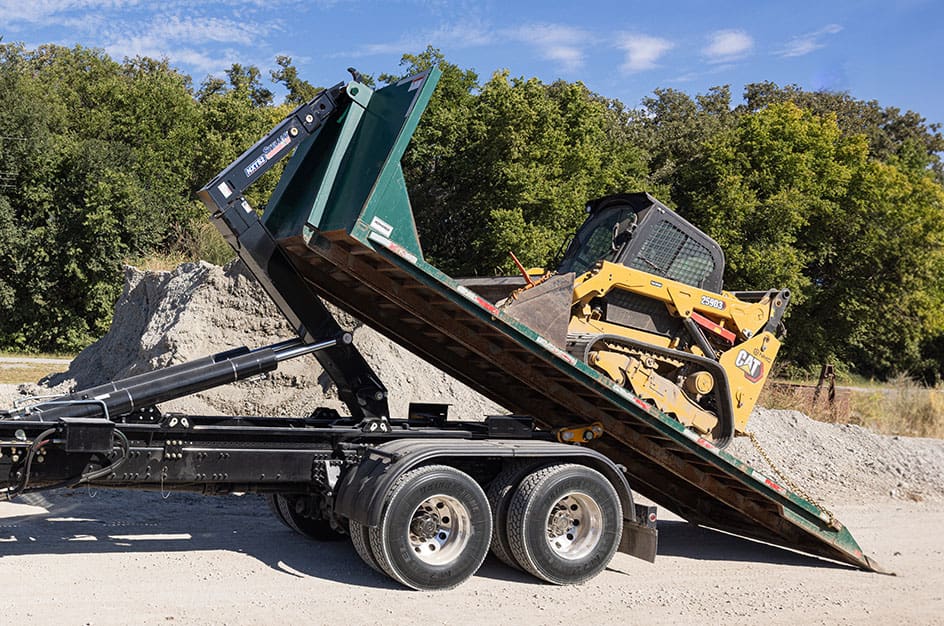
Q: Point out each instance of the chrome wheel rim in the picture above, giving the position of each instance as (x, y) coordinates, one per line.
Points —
(439, 529)
(574, 526)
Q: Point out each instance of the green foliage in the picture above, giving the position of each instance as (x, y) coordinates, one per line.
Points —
(796, 203)
(549, 152)
(300, 91)
(672, 128)
(234, 115)
(509, 166)
(840, 200)
(102, 160)
(889, 132)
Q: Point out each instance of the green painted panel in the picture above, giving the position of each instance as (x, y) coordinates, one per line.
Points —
(348, 177)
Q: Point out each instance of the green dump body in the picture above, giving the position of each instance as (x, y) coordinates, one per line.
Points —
(342, 215)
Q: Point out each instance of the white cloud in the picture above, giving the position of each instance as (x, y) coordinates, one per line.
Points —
(804, 44)
(174, 28)
(36, 11)
(727, 45)
(466, 35)
(642, 51)
(554, 42)
(184, 40)
(199, 36)
(560, 44)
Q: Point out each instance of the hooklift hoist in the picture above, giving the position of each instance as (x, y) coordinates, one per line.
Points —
(422, 497)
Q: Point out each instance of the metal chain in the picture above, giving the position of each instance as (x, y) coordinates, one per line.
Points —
(517, 292)
(795, 488)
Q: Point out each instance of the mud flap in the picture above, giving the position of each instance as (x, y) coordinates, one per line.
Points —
(640, 536)
(545, 308)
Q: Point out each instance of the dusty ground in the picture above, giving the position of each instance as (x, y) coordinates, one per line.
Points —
(119, 558)
(135, 557)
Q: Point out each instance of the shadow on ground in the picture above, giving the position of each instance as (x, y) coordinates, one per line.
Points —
(142, 522)
(84, 522)
(681, 539)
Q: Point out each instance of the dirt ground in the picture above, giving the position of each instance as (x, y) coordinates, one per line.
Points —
(134, 557)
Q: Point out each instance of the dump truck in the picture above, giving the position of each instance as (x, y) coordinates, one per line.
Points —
(605, 402)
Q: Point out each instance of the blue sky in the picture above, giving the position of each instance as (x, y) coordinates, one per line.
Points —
(891, 51)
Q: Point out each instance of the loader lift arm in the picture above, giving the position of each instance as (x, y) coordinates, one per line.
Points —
(358, 385)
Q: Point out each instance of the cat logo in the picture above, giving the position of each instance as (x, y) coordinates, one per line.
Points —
(752, 367)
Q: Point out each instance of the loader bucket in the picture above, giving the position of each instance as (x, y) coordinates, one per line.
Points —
(545, 307)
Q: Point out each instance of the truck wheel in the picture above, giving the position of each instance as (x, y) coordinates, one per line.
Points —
(499, 494)
(274, 507)
(287, 511)
(360, 537)
(564, 523)
(435, 529)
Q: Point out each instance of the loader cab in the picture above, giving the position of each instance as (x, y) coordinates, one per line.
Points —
(638, 231)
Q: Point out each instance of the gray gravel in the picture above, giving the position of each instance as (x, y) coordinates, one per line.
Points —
(844, 462)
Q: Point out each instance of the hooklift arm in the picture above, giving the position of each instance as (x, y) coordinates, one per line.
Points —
(358, 385)
(117, 398)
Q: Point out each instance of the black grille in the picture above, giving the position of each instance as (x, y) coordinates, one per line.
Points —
(672, 254)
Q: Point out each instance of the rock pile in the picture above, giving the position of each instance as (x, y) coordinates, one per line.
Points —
(164, 318)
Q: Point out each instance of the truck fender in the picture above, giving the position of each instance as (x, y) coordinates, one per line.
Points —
(361, 491)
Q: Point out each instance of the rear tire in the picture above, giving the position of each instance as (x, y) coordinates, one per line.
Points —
(499, 494)
(288, 509)
(435, 529)
(564, 523)
(360, 537)
(274, 508)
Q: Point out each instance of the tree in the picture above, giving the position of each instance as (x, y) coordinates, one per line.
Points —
(509, 165)
(103, 170)
(547, 150)
(300, 91)
(235, 113)
(890, 133)
(797, 203)
(672, 128)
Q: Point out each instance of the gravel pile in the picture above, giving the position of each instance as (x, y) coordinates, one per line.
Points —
(843, 462)
(164, 318)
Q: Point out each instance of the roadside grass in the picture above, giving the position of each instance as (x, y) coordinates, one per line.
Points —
(18, 373)
(18, 368)
(202, 242)
(898, 407)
